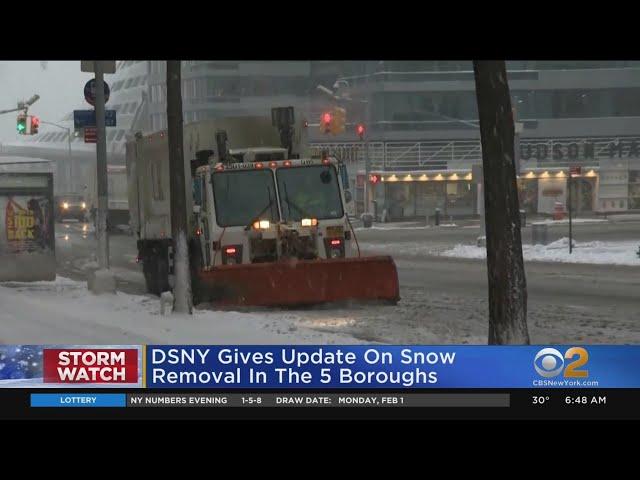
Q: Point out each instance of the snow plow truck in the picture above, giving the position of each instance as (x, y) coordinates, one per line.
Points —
(268, 225)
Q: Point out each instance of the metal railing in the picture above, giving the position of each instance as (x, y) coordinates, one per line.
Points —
(462, 154)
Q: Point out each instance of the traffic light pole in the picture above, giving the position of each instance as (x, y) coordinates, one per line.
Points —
(101, 165)
(68, 149)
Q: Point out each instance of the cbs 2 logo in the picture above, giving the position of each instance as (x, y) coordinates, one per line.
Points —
(549, 362)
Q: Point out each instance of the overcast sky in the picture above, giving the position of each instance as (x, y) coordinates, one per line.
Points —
(60, 87)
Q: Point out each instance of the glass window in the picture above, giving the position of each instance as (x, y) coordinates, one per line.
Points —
(110, 135)
(120, 135)
(197, 191)
(242, 197)
(400, 199)
(459, 198)
(429, 196)
(309, 192)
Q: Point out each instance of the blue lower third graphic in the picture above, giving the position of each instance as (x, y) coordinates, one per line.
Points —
(78, 400)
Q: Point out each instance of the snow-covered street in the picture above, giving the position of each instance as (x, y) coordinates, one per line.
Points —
(444, 298)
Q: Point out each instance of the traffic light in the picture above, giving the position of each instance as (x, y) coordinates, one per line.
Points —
(325, 122)
(21, 126)
(35, 124)
(339, 120)
(360, 130)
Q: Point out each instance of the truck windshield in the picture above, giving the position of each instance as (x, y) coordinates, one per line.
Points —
(241, 196)
(309, 192)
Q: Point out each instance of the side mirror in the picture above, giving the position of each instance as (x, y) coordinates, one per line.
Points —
(196, 209)
(347, 196)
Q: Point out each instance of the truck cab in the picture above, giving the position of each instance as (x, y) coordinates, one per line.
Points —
(268, 210)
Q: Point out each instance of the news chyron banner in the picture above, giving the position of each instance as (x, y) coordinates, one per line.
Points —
(318, 367)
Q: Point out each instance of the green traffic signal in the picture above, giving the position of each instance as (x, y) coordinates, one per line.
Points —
(22, 125)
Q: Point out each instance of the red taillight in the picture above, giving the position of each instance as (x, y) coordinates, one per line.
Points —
(336, 242)
(230, 250)
(273, 164)
(326, 118)
(326, 161)
(287, 163)
(198, 232)
(259, 165)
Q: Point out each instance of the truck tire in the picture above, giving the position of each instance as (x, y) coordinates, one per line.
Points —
(151, 280)
(155, 267)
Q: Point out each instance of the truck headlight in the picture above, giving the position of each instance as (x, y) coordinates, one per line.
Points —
(261, 224)
(65, 205)
(84, 206)
(309, 222)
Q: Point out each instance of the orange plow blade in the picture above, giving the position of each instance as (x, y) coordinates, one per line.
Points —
(301, 282)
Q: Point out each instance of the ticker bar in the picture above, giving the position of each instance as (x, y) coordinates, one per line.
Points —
(421, 400)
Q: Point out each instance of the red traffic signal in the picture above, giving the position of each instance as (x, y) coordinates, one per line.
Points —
(325, 122)
(35, 124)
(375, 178)
(360, 130)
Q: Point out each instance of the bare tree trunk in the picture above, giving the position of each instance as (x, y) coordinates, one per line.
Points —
(505, 266)
(182, 287)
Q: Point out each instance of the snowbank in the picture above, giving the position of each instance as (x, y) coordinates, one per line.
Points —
(600, 253)
(64, 311)
(565, 221)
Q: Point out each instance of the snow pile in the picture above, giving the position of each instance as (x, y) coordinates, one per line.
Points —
(64, 311)
(404, 226)
(600, 253)
(565, 221)
(101, 281)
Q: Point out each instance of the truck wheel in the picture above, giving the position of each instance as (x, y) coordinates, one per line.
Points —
(155, 267)
(150, 279)
(162, 275)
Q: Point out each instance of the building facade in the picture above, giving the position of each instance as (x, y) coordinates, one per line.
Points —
(423, 138)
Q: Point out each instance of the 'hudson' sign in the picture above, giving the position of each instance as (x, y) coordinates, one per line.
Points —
(558, 151)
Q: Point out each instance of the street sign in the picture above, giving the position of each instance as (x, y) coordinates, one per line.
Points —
(575, 170)
(87, 118)
(90, 92)
(90, 135)
(108, 66)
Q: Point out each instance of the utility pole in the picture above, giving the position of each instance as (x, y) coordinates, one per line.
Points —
(181, 272)
(505, 265)
(101, 166)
